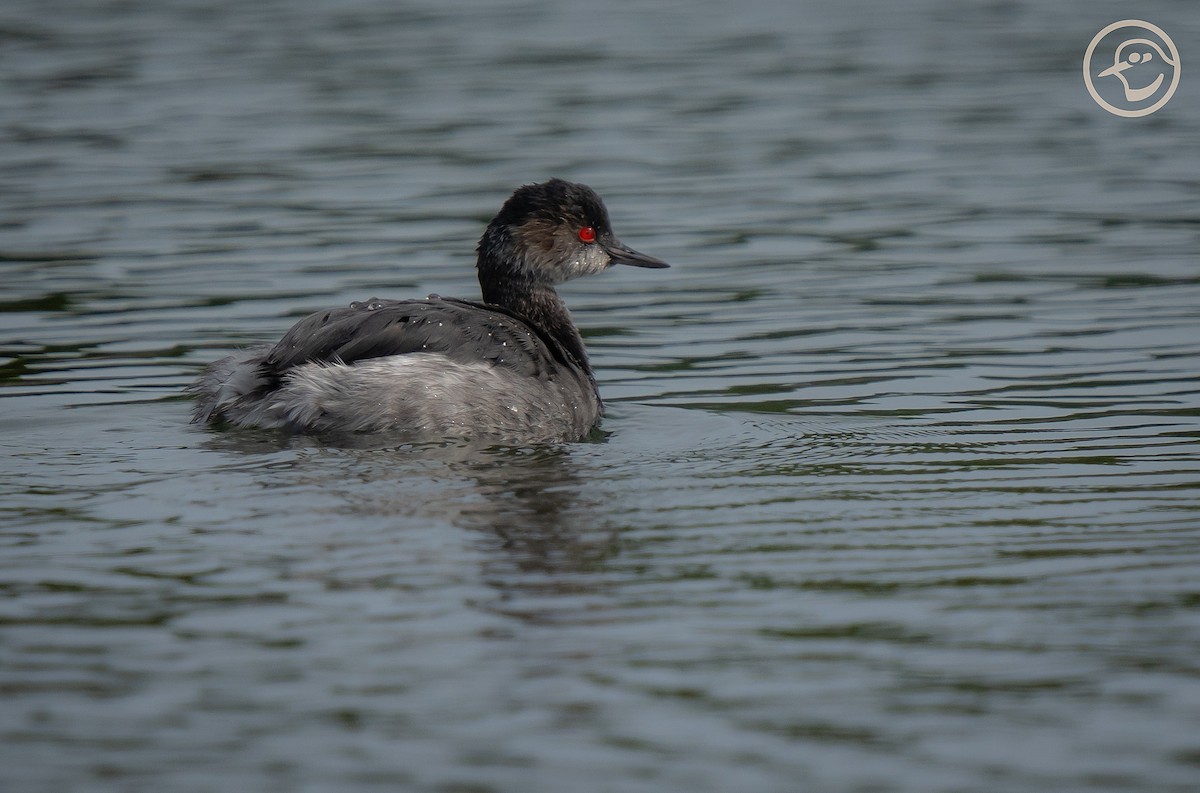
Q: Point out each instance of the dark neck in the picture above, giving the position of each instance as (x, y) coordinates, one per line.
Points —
(545, 310)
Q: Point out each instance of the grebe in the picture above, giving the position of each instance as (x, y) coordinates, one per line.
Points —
(511, 368)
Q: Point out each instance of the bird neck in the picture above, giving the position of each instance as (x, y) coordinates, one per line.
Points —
(545, 310)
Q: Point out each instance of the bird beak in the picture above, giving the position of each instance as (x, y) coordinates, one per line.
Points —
(1116, 68)
(623, 254)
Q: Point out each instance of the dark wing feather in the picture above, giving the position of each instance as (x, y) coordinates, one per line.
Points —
(459, 329)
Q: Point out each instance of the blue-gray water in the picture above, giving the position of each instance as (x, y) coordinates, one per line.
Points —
(900, 483)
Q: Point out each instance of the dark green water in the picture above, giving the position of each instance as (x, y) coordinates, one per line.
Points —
(899, 488)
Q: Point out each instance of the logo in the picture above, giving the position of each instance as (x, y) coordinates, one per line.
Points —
(1131, 68)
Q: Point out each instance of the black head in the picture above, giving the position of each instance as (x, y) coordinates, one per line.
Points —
(549, 233)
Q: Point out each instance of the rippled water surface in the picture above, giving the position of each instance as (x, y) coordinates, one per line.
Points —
(899, 488)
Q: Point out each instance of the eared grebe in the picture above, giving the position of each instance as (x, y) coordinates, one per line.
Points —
(512, 368)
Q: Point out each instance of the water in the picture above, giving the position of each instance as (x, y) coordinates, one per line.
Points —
(899, 485)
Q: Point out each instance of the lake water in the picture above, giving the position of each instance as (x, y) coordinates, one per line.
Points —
(899, 486)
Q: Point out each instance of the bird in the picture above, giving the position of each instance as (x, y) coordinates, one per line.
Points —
(511, 368)
(1140, 54)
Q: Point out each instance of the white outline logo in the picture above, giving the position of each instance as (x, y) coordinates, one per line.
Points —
(1157, 62)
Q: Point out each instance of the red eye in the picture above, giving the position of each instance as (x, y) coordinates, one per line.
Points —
(587, 234)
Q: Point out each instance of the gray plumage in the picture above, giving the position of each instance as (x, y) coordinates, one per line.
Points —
(512, 368)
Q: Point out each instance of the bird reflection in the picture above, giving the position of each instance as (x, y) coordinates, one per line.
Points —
(529, 503)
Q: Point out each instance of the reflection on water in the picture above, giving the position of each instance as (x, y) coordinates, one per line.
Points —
(898, 484)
